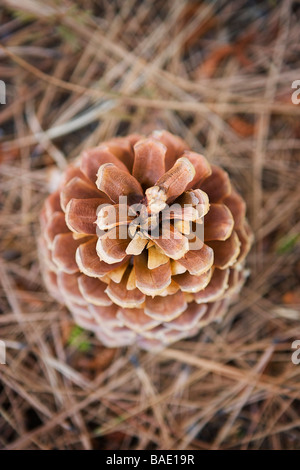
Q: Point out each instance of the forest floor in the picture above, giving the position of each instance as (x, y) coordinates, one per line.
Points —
(220, 75)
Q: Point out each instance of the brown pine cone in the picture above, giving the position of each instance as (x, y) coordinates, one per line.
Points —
(144, 241)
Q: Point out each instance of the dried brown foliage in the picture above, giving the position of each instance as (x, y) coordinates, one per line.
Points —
(220, 77)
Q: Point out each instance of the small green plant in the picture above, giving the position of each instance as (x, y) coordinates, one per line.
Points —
(79, 339)
(287, 243)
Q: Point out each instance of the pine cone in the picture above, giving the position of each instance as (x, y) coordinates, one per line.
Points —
(144, 241)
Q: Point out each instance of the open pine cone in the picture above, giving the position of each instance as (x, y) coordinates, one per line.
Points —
(144, 241)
